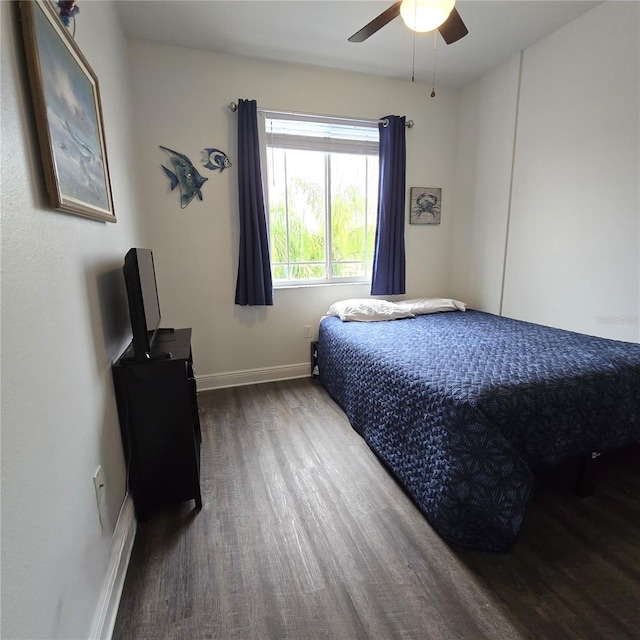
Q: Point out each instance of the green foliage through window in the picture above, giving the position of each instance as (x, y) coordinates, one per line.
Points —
(322, 208)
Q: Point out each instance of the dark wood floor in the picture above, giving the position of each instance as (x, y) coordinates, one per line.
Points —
(303, 534)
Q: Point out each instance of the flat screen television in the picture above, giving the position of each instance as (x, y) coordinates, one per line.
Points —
(144, 306)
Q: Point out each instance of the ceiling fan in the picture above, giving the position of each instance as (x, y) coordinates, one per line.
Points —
(419, 15)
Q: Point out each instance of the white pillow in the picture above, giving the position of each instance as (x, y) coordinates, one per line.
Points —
(421, 306)
(367, 310)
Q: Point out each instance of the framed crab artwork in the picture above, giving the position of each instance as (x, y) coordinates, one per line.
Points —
(425, 205)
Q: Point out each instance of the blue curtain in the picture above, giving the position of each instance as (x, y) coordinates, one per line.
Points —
(388, 259)
(254, 285)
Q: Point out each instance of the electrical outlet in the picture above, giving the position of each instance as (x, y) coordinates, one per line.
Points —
(307, 330)
(101, 495)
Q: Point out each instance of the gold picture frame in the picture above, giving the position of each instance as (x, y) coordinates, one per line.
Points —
(68, 115)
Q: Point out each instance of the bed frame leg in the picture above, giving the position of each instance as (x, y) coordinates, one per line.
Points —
(315, 372)
(587, 475)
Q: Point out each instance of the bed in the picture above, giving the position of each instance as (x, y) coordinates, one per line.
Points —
(460, 407)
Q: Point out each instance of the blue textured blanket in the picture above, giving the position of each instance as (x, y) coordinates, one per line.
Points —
(460, 406)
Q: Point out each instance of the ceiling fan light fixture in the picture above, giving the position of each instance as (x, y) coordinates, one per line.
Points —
(425, 15)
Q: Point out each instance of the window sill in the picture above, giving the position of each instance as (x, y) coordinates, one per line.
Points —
(309, 285)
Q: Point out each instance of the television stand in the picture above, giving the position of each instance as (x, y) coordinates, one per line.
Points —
(163, 355)
(159, 423)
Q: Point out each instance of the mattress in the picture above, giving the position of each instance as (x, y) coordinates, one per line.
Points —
(461, 406)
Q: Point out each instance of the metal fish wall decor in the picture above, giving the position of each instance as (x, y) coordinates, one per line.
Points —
(215, 159)
(184, 175)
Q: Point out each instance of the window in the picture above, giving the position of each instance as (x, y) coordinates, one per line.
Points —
(322, 197)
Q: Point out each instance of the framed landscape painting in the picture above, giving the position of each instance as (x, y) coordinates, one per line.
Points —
(68, 115)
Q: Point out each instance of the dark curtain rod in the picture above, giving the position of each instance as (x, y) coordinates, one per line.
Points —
(233, 106)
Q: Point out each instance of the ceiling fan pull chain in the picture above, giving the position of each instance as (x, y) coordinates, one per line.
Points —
(435, 50)
(413, 67)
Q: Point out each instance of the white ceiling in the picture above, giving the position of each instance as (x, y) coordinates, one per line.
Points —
(315, 32)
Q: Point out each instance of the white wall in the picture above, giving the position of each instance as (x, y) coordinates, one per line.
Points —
(483, 186)
(573, 237)
(64, 319)
(180, 102)
(575, 208)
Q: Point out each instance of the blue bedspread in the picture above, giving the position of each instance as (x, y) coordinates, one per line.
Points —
(460, 406)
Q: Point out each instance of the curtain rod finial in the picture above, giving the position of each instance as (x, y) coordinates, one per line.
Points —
(233, 106)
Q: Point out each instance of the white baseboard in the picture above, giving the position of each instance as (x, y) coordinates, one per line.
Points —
(253, 376)
(121, 546)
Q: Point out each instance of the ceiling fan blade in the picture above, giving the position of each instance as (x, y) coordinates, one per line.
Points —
(377, 23)
(453, 28)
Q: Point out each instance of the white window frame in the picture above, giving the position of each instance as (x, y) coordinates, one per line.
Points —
(326, 144)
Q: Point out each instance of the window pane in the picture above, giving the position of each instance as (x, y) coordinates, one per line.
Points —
(308, 272)
(306, 205)
(280, 272)
(277, 207)
(372, 210)
(297, 207)
(348, 269)
(352, 204)
(302, 212)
